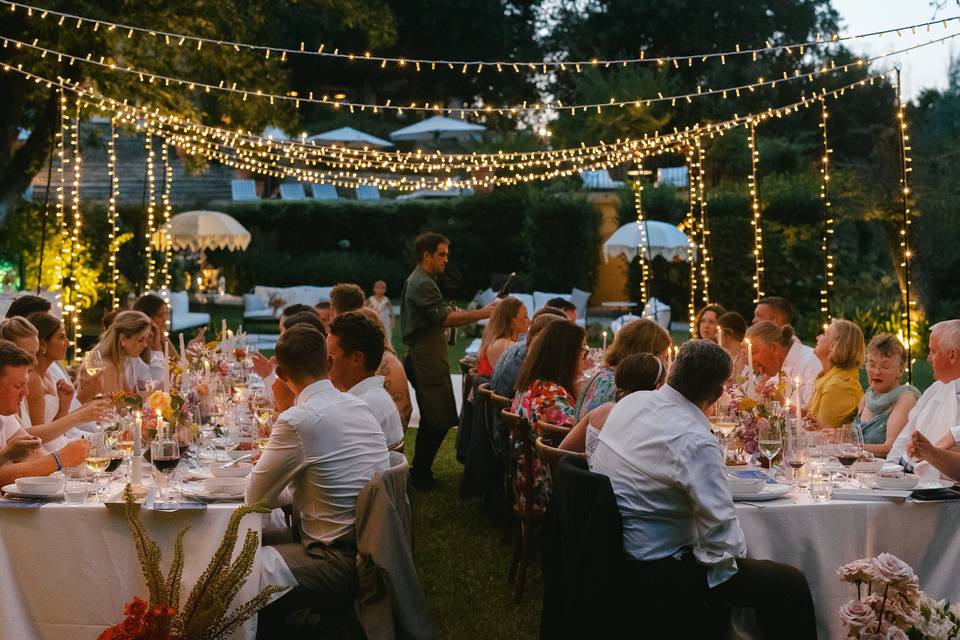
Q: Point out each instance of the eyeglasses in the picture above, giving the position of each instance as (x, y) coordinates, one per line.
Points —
(882, 367)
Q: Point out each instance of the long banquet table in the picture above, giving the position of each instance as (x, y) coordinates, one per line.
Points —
(67, 570)
(819, 537)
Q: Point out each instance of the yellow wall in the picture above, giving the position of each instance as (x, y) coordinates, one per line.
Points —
(611, 284)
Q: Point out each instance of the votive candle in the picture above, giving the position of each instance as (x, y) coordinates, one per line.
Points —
(136, 470)
(604, 340)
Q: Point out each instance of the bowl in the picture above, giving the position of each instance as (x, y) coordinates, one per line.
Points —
(745, 485)
(40, 484)
(867, 466)
(901, 481)
(226, 486)
(238, 470)
(236, 452)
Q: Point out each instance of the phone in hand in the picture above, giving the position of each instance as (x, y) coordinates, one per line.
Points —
(505, 289)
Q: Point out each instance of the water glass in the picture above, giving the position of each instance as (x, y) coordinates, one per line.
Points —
(75, 490)
(821, 486)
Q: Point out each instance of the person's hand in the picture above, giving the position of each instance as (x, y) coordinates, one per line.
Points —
(282, 395)
(74, 453)
(263, 366)
(197, 341)
(919, 447)
(90, 386)
(65, 393)
(19, 447)
(488, 310)
(94, 410)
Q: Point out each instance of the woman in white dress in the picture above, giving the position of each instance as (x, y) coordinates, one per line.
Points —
(56, 433)
(380, 303)
(120, 347)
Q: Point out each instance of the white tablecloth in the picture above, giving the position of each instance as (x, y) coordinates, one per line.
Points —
(67, 570)
(818, 538)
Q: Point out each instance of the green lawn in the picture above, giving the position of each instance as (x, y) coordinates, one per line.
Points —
(462, 565)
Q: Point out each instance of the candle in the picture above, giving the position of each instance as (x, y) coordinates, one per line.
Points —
(749, 355)
(166, 365)
(136, 469)
(604, 340)
(223, 329)
(183, 349)
(720, 336)
(796, 397)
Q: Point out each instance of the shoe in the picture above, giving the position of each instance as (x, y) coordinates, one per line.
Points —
(421, 483)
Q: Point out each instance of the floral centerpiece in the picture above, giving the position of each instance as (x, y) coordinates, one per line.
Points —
(173, 406)
(752, 406)
(890, 604)
(206, 614)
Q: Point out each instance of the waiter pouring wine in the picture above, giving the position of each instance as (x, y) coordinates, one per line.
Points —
(424, 318)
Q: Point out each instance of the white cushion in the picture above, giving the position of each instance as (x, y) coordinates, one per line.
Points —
(180, 321)
(527, 301)
(486, 297)
(580, 299)
(253, 302)
(179, 302)
(540, 298)
(261, 314)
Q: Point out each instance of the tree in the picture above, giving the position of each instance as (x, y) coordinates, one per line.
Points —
(33, 107)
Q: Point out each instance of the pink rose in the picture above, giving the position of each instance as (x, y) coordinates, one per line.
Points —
(857, 615)
(862, 571)
(894, 571)
(902, 609)
(895, 633)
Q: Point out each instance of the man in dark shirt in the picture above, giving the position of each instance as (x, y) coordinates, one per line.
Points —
(424, 316)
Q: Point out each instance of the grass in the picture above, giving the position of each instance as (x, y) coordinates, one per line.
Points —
(462, 564)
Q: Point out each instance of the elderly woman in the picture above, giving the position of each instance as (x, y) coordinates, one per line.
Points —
(837, 391)
(639, 336)
(120, 347)
(706, 322)
(508, 321)
(886, 403)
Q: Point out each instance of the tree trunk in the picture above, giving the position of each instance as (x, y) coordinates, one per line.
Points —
(20, 163)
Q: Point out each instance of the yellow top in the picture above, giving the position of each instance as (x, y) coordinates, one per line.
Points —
(836, 396)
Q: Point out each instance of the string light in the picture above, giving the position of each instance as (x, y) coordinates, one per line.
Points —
(74, 247)
(828, 221)
(754, 189)
(906, 251)
(150, 187)
(112, 213)
(691, 229)
(702, 226)
(60, 144)
(461, 112)
(416, 65)
(644, 245)
(165, 226)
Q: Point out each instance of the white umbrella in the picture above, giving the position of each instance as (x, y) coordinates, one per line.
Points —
(349, 137)
(663, 239)
(439, 128)
(275, 133)
(199, 230)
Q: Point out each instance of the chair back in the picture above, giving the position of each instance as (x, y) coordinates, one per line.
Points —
(242, 190)
(292, 191)
(324, 191)
(550, 456)
(368, 192)
(552, 434)
(519, 457)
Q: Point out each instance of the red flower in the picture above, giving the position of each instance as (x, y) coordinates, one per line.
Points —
(134, 627)
(160, 612)
(136, 608)
(113, 633)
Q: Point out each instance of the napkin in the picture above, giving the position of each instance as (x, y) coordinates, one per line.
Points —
(21, 503)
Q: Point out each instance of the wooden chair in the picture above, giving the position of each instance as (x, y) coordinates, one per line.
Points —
(550, 456)
(500, 443)
(526, 518)
(552, 434)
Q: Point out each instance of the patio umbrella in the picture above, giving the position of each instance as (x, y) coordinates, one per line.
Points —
(439, 128)
(663, 239)
(275, 133)
(199, 230)
(349, 137)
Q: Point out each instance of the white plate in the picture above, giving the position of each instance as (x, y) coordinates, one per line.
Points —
(769, 492)
(200, 494)
(12, 491)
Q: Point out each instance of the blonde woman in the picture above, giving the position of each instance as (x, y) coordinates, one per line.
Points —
(394, 377)
(508, 321)
(120, 347)
(837, 391)
(23, 334)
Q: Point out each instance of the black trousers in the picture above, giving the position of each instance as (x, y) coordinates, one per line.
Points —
(427, 446)
(778, 594)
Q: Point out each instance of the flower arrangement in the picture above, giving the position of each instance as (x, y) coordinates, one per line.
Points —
(173, 407)
(752, 407)
(124, 401)
(206, 614)
(894, 607)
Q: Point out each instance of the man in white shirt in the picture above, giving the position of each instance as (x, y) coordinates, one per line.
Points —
(936, 416)
(264, 367)
(355, 347)
(679, 524)
(323, 449)
(20, 453)
(801, 363)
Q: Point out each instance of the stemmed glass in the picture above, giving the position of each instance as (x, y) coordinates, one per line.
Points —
(770, 440)
(97, 461)
(263, 413)
(723, 422)
(165, 456)
(849, 446)
(795, 451)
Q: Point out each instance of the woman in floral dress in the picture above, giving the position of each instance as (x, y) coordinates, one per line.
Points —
(545, 391)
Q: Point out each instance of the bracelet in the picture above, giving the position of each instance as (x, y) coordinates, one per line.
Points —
(57, 460)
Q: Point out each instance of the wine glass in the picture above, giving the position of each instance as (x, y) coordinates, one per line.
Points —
(97, 461)
(93, 362)
(165, 456)
(849, 446)
(795, 451)
(723, 422)
(264, 416)
(770, 440)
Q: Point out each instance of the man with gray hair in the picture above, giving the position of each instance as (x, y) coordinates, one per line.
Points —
(937, 411)
(680, 529)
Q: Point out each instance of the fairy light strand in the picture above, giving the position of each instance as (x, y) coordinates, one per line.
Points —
(826, 240)
(62, 164)
(416, 65)
(754, 189)
(644, 246)
(704, 232)
(75, 248)
(691, 229)
(112, 213)
(164, 230)
(905, 248)
(462, 112)
(150, 187)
